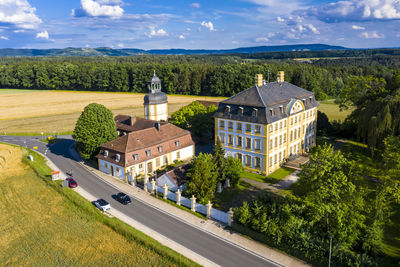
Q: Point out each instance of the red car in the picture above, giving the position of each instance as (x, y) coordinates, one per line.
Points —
(71, 182)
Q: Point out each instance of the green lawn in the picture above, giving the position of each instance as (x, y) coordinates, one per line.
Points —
(273, 178)
(18, 91)
(332, 110)
(43, 224)
(234, 196)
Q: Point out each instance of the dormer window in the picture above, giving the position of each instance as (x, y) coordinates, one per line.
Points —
(117, 157)
(281, 109)
(254, 112)
(310, 99)
(228, 109)
(240, 111)
(135, 157)
(177, 143)
(105, 153)
(148, 153)
(271, 111)
(160, 149)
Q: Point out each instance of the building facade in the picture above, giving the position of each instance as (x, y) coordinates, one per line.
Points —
(267, 124)
(156, 101)
(145, 145)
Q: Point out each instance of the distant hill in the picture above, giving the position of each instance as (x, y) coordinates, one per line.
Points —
(106, 51)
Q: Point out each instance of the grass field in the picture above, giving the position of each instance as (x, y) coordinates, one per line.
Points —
(44, 225)
(331, 109)
(35, 111)
(273, 178)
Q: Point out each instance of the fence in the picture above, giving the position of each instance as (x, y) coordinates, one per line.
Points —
(200, 208)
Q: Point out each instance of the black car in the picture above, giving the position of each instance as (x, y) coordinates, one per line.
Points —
(123, 198)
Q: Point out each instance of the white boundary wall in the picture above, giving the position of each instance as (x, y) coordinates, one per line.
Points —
(200, 208)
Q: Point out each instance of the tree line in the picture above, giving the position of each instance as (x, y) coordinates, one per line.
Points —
(188, 75)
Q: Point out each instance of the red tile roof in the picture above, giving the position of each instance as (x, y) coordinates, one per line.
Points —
(137, 142)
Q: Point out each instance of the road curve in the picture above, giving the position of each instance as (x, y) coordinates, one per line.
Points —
(209, 246)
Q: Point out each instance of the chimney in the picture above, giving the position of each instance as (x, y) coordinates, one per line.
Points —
(281, 76)
(259, 80)
(132, 120)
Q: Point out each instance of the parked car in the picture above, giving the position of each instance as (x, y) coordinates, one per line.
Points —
(102, 205)
(71, 182)
(123, 198)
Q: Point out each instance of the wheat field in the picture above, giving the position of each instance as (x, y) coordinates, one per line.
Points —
(41, 227)
(25, 111)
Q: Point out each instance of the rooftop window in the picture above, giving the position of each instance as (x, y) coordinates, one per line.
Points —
(148, 153)
(135, 157)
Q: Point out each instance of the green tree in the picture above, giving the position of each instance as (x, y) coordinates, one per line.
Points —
(325, 182)
(233, 171)
(202, 178)
(391, 153)
(94, 127)
(219, 160)
(361, 89)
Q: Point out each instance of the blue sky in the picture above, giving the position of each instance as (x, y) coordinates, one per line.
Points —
(218, 24)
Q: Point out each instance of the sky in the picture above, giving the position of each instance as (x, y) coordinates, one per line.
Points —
(207, 24)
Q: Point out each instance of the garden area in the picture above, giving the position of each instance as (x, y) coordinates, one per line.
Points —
(273, 178)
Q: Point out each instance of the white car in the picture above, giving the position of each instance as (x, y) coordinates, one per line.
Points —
(102, 205)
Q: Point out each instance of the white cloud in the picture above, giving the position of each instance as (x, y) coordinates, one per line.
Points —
(304, 28)
(356, 10)
(279, 19)
(235, 42)
(356, 27)
(120, 45)
(372, 35)
(209, 25)
(99, 8)
(43, 35)
(19, 13)
(262, 39)
(195, 5)
(277, 6)
(182, 37)
(18, 31)
(4, 38)
(154, 32)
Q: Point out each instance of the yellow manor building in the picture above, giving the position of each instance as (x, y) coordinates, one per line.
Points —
(267, 124)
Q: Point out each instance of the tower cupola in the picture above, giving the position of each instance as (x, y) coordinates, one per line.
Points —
(156, 101)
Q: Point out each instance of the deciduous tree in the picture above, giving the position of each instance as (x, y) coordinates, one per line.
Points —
(94, 127)
(203, 178)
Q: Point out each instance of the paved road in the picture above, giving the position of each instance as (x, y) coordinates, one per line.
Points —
(205, 244)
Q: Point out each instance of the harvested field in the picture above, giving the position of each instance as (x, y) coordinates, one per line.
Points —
(41, 227)
(25, 111)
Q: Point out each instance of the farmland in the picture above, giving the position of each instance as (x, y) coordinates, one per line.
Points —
(25, 111)
(35, 111)
(42, 227)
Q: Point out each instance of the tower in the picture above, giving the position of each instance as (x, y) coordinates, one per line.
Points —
(155, 102)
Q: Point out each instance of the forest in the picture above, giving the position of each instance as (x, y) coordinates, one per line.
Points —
(212, 75)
